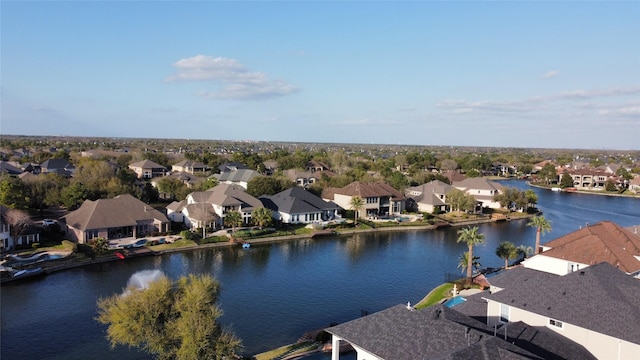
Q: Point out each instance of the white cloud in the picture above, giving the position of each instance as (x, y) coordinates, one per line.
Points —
(551, 74)
(233, 80)
(542, 103)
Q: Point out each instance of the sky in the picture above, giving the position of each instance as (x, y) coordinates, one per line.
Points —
(541, 74)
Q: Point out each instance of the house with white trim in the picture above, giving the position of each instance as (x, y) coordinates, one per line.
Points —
(430, 197)
(605, 241)
(212, 205)
(597, 307)
(482, 189)
(379, 198)
(299, 206)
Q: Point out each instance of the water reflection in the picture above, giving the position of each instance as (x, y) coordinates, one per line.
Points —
(273, 293)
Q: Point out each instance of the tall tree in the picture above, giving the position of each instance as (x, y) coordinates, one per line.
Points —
(356, 204)
(542, 226)
(170, 320)
(13, 193)
(507, 251)
(19, 221)
(472, 237)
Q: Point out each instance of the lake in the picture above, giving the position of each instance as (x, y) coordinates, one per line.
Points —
(272, 294)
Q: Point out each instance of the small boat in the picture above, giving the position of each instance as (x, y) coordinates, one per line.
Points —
(120, 255)
(28, 273)
(246, 245)
(556, 189)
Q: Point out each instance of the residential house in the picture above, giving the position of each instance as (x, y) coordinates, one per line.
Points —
(147, 169)
(429, 197)
(240, 177)
(298, 206)
(188, 179)
(59, 166)
(482, 189)
(29, 234)
(634, 185)
(593, 244)
(302, 178)
(121, 216)
(270, 167)
(314, 166)
(439, 332)
(231, 166)
(313, 172)
(453, 175)
(588, 178)
(598, 307)
(222, 198)
(380, 199)
(190, 167)
(174, 211)
(9, 169)
(504, 170)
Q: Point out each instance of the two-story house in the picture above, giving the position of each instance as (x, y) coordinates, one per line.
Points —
(222, 199)
(430, 197)
(147, 169)
(240, 177)
(601, 242)
(482, 189)
(380, 199)
(597, 307)
(190, 167)
(27, 233)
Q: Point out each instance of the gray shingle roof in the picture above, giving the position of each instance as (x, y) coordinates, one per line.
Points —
(297, 201)
(240, 175)
(436, 332)
(600, 298)
(477, 183)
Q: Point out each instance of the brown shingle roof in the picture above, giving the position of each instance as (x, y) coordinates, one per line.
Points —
(366, 190)
(602, 242)
(122, 210)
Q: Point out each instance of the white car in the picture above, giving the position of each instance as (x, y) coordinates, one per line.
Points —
(47, 222)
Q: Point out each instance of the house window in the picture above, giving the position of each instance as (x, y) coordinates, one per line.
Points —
(556, 323)
(504, 313)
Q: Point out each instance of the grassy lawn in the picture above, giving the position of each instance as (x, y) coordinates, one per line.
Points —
(435, 295)
(287, 349)
(175, 245)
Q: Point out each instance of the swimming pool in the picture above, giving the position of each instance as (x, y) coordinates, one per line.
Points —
(454, 301)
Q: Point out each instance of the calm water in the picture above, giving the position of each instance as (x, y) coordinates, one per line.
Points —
(272, 294)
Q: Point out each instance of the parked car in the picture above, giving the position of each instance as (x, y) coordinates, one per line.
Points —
(139, 243)
(47, 222)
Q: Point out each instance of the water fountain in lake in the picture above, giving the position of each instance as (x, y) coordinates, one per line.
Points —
(141, 279)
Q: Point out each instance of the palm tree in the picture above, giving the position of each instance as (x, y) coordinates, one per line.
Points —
(507, 251)
(524, 251)
(464, 261)
(542, 226)
(233, 219)
(262, 217)
(357, 204)
(471, 237)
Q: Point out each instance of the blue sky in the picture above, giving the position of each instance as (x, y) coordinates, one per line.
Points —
(522, 74)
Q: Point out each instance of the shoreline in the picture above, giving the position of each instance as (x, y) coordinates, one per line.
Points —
(228, 244)
(587, 192)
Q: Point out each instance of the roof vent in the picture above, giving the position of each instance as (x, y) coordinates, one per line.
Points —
(581, 272)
